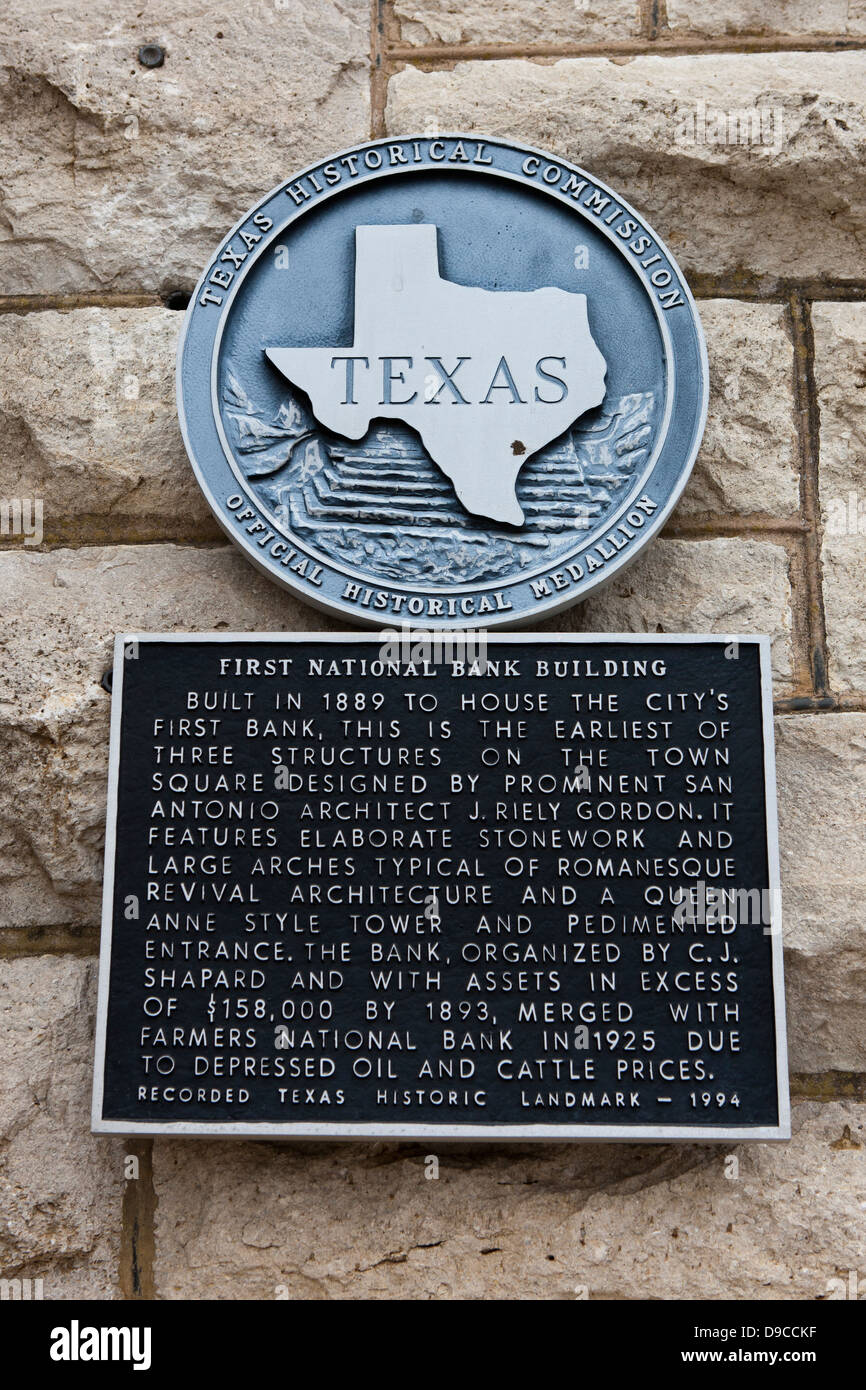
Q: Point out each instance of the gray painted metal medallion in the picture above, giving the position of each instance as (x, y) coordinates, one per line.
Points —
(442, 380)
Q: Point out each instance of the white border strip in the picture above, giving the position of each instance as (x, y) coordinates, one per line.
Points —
(239, 1129)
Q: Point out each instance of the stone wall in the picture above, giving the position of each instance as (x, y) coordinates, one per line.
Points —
(116, 181)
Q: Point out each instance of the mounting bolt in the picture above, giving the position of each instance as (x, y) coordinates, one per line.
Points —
(151, 55)
(107, 680)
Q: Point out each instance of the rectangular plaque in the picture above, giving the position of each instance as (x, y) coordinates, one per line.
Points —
(357, 887)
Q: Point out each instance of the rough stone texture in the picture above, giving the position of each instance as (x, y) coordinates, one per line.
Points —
(116, 176)
(425, 22)
(741, 17)
(697, 586)
(822, 785)
(840, 378)
(89, 422)
(749, 458)
(63, 609)
(485, 22)
(60, 1188)
(731, 210)
(634, 1221)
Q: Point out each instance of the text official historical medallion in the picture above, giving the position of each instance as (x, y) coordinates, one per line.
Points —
(447, 381)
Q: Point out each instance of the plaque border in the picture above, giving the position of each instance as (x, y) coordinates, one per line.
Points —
(454, 1133)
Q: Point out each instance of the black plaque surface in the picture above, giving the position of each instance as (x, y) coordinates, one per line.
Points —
(362, 887)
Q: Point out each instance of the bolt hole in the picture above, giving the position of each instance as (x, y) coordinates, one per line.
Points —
(151, 55)
(177, 299)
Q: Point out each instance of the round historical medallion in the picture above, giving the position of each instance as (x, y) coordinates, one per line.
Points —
(442, 381)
